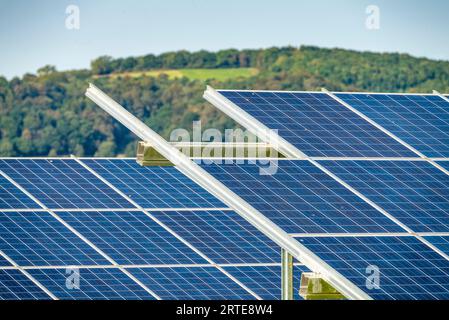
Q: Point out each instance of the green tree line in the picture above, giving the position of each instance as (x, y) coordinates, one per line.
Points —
(47, 114)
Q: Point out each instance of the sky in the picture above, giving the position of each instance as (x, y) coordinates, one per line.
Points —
(34, 33)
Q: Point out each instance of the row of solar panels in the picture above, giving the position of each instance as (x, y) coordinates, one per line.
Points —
(300, 198)
(325, 125)
(189, 253)
(384, 203)
(397, 189)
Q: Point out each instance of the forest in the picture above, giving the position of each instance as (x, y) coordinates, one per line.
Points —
(47, 114)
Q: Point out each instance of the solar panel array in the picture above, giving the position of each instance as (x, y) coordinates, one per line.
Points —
(414, 192)
(372, 201)
(301, 198)
(420, 120)
(408, 269)
(129, 232)
(317, 124)
(368, 195)
(38, 239)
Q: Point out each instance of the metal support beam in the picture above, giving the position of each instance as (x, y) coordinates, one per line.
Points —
(286, 275)
(252, 124)
(218, 189)
(440, 95)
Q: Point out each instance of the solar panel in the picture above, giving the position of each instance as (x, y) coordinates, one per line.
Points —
(420, 120)
(199, 283)
(62, 184)
(223, 236)
(38, 239)
(94, 284)
(317, 124)
(154, 187)
(442, 243)
(414, 192)
(266, 280)
(408, 269)
(300, 198)
(12, 198)
(14, 285)
(444, 164)
(4, 262)
(131, 237)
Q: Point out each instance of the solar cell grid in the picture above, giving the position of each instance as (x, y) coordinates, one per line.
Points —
(408, 269)
(38, 239)
(62, 184)
(444, 164)
(12, 198)
(414, 192)
(442, 243)
(199, 283)
(420, 120)
(4, 262)
(131, 237)
(223, 236)
(154, 187)
(300, 198)
(14, 285)
(266, 280)
(317, 124)
(94, 284)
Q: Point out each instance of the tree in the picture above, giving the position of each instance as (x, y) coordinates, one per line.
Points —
(106, 149)
(49, 114)
(46, 70)
(102, 65)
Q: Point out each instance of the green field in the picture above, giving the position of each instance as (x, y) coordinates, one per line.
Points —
(193, 74)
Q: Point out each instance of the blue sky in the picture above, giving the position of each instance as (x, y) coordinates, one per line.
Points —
(33, 32)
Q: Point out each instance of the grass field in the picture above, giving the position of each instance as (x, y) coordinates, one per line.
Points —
(193, 74)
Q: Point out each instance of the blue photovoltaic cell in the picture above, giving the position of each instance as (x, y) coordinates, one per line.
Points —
(223, 236)
(14, 285)
(95, 284)
(4, 262)
(131, 238)
(62, 184)
(414, 192)
(199, 283)
(441, 243)
(266, 281)
(38, 239)
(300, 198)
(154, 187)
(420, 120)
(12, 198)
(317, 124)
(444, 164)
(408, 268)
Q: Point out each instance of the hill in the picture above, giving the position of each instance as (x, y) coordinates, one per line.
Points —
(46, 114)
